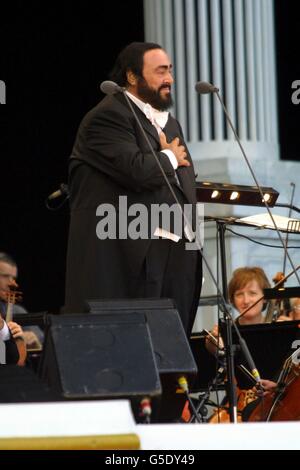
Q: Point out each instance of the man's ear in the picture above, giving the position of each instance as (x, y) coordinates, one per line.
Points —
(131, 78)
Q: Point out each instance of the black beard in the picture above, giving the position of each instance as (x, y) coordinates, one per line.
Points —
(153, 97)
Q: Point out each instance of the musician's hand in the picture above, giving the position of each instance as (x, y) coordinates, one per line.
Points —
(1, 323)
(32, 340)
(214, 340)
(15, 330)
(265, 387)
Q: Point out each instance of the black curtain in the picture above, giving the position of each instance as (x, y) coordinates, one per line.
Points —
(52, 60)
(287, 28)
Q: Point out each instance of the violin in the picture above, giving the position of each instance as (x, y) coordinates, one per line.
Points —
(284, 404)
(278, 309)
(13, 296)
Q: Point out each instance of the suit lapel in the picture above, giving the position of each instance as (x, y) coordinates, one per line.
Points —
(147, 126)
(185, 174)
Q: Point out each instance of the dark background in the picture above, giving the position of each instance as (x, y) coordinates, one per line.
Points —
(52, 62)
(52, 59)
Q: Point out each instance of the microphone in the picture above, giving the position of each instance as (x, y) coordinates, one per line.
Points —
(205, 87)
(63, 189)
(110, 88)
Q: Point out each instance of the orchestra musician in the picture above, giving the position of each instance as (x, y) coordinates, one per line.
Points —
(245, 288)
(10, 332)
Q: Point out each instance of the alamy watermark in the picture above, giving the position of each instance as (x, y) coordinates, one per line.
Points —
(2, 92)
(296, 94)
(138, 221)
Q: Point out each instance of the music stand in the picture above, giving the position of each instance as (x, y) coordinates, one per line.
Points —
(270, 344)
(206, 362)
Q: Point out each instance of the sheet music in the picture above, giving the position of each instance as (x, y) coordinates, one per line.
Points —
(264, 221)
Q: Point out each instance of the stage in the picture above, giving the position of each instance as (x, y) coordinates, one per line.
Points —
(109, 424)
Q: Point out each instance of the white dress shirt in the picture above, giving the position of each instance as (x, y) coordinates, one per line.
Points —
(4, 332)
(158, 119)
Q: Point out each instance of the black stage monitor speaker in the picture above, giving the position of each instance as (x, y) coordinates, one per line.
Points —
(173, 355)
(22, 385)
(95, 356)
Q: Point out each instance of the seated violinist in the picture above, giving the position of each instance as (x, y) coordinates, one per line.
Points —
(11, 333)
(33, 335)
(245, 288)
(8, 277)
(12, 336)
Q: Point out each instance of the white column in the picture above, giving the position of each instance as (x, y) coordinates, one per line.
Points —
(240, 68)
(231, 44)
(191, 62)
(204, 68)
(250, 66)
(272, 70)
(180, 64)
(230, 82)
(216, 60)
(261, 115)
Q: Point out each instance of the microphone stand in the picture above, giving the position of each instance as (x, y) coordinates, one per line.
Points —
(281, 304)
(212, 385)
(110, 87)
(226, 307)
(221, 227)
(215, 90)
(230, 349)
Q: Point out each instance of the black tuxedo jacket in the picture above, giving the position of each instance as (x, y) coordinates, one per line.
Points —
(111, 158)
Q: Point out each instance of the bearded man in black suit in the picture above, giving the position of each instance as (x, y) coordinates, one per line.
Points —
(113, 174)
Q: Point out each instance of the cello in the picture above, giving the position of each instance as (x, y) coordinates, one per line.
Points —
(284, 403)
(244, 398)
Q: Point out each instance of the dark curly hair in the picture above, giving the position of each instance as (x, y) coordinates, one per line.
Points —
(131, 58)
